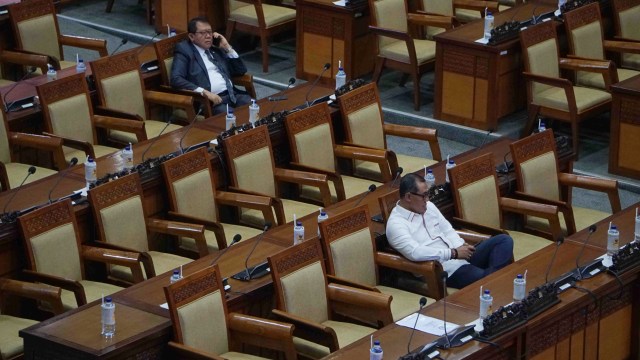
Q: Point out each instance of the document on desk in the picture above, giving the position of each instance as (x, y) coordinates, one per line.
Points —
(340, 3)
(427, 324)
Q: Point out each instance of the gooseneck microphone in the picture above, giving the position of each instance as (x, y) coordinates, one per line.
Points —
(372, 188)
(72, 163)
(31, 171)
(182, 151)
(444, 276)
(236, 238)
(292, 81)
(324, 68)
(583, 272)
(423, 302)
(148, 42)
(553, 259)
(30, 71)
(267, 225)
(155, 139)
(399, 171)
(461, 334)
(124, 41)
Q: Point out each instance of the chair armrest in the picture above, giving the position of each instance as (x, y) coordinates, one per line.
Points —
(445, 22)
(20, 58)
(332, 176)
(42, 292)
(622, 46)
(128, 125)
(145, 258)
(179, 101)
(206, 110)
(129, 259)
(67, 284)
(105, 111)
(468, 225)
(399, 35)
(246, 81)
(270, 334)
(217, 229)
(492, 6)
(378, 156)
(544, 211)
(98, 45)
(306, 178)
(181, 351)
(605, 67)
(418, 133)
(265, 204)
(45, 143)
(472, 238)
(608, 186)
(556, 82)
(366, 306)
(430, 271)
(55, 62)
(175, 228)
(276, 204)
(332, 279)
(73, 143)
(310, 330)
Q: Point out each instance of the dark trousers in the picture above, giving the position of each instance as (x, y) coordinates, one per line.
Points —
(491, 255)
(241, 99)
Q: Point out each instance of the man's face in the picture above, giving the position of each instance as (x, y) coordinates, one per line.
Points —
(417, 201)
(203, 35)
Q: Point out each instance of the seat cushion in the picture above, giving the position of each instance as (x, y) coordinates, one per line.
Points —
(229, 230)
(631, 61)
(17, 171)
(403, 303)
(162, 262)
(273, 15)
(99, 150)
(352, 187)
(397, 50)
(597, 81)
(239, 356)
(345, 332)
(585, 98)
(584, 217)
(526, 244)
(10, 342)
(467, 15)
(371, 170)
(152, 129)
(93, 290)
(4, 82)
(254, 217)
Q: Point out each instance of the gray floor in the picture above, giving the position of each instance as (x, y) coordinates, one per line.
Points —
(127, 21)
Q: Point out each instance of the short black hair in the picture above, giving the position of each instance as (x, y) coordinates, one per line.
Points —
(192, 26)
(409, 183)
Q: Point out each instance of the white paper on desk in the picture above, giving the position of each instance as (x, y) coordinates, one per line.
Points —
(427, 324)
(482, 40)
(166, 306)
(340, 3)
(606, 260)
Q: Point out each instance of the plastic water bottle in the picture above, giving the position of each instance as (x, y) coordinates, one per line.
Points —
(108, 318)
(341, 76)
(376, 352)
(321, 217)
(80, 66)
(298, 233)
(636, 235)
(613, 240)
(254, 111)
(519, 288)
(127, 156)
(118, 161)
(450, 165)
(542, 127)
(488, 25)
(486, 302)
(176, 276)
(430, 179)
(90, 171)
(52, 74)
(172, 32)
(230, 119)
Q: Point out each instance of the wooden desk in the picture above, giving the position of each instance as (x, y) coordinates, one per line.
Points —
(326, 33)
(625, 128)
(177, 13)
(478, 84)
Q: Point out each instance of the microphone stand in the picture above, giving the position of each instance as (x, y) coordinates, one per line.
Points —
(154, 140)
(182, 151)
(585, 271)
(31, 171)
(460, 335)
(399, 171)
(324, 68)
(372, 188)
(124, 41)
(30, 71)
(248, 273)
(236, 238)
(72, 163)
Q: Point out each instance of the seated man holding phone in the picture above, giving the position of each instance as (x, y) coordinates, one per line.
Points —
(419, 231)
(205, 64)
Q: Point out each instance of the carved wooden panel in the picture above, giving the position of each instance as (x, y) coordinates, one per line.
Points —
(298, 256)
(538, 33)
(46, 218)
(630, 110)
(193, 287)
(185, 165)
(472, 171)
(458, 62)
(582, 16)
(482, 67)
(246, 142)
(115, 191)
(622, 5)
(349, 223)
(533, 146)
(165, 47)
(114, 65)
(357, 99)
(30, 9)
(612, 304)
(308, 118)
(62, 88)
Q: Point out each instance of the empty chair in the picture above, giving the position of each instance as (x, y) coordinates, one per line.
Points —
(625, 17)
(30, 61)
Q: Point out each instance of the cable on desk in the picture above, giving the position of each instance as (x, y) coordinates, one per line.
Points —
(496, 345)
(587, 291)
(621, 287)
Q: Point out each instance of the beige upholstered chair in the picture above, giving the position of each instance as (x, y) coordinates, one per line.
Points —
(252, 171)
(36, 30)
(625, 17)
(463, 11)
(188, 172)
(551, 96)
(203, 328)
(56, 256)
(540, 180)
(122, 224)
(122, 94)
(475, 191)
(299, 280)
(259, 19)
(21, 59)
(12, 173)
(313, 149)
(352, 259)
(68, 114)
(397, 48)
(365, 126)
(11, 344)
(586, 40)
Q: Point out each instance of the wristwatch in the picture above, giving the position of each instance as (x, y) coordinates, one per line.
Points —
(201, 92)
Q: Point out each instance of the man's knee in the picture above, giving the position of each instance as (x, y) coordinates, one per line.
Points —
(504, 241)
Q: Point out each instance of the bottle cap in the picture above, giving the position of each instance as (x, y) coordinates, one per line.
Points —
(429, 171)
(176, 272)
(376, 342)
(322, 213)
(107, 299)
(487, 292)
(128, 147)
(298, 223)
(253, 102)
(519, 276)
(489, 13)
(613, 227)
(451, 161)
(89, 159)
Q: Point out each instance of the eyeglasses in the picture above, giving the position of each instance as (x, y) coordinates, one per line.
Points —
(424, 196)
(205, 32)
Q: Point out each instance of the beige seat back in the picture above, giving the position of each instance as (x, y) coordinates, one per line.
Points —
(388, 14)
(311, 137)
(362, 117)
(475, 190)
(299, 279)
(119, 83)
(34, 23)
(190, 185)
(349, 246)
(540, 50)
(250, 161)
(440, 7)
(536, 165)
(164, 53)
(199, 311)
(51, 240)
(119, 213)
(625, 15)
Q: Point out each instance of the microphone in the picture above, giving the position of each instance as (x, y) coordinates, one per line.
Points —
(182, 151)
(324, 68)
(124, 41)
(147, 43)
(31, 171)
(30, 70)
(399, 171)
(423, 302)
(461, 334)
(235, 240)
(248, 272)
(585, 271)
(372, 188)
(72, 163)
(155, 139)
(553, 259)
(292, 81)
(486, 136)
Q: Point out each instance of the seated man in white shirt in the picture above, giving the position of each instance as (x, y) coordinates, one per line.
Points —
(418, 230)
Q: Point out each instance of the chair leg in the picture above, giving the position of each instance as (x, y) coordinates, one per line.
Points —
(533, 114)
(416, 91)
(575, 133)
(109, 6)
(264, 42)
(377, 72)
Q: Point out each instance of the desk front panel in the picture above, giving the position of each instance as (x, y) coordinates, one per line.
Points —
(625, 128)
